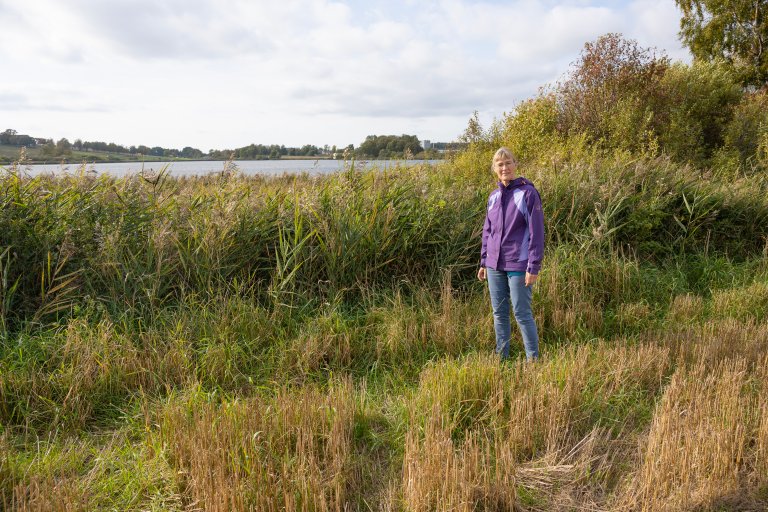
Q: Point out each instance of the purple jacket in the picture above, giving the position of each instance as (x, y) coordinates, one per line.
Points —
(513, 233)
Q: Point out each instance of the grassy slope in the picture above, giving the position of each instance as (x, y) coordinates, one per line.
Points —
(10, 154)
(242, 343)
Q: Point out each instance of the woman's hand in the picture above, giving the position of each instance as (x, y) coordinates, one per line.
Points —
(530, 279)
(481, 274)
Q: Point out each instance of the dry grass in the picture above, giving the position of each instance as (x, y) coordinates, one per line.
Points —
(578, 286)
(560, 423)
(86, 367)
(712, 341)
(554, 404)
(6, 473)
(468, 395)
(750, 302)
(677, 421)
(400, 329)
(571, 318)
(759, 456)
(291, 452)
(696, 451)
(424, 324)
(323, 343)
(51, 495)
(707, 438)
(109, 471)
(685, 309)
(441, 474)
(633, 314)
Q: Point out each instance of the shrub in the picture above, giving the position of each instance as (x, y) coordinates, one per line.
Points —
(747, 133)
(609, 92)
(695, 108)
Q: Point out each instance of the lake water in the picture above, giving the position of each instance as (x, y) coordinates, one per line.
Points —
(193, 168)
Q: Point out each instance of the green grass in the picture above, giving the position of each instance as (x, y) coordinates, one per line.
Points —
(35, 155)
(234, 342)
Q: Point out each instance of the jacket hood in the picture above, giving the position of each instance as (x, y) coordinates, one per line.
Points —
(517, 182)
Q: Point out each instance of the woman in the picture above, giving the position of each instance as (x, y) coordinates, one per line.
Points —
(513, 246)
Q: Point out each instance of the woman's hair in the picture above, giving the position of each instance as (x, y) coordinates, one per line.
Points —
(504, 153)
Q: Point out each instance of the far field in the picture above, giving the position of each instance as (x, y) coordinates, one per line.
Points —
(10, 154)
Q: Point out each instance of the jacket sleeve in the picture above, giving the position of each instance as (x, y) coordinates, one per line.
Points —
(536, 231)
(486, 234)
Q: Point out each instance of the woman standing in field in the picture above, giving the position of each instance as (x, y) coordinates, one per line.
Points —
(510, 258)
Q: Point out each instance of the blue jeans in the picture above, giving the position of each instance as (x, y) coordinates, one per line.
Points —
(506, 287)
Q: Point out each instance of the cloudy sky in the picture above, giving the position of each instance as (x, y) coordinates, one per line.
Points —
(228, 73)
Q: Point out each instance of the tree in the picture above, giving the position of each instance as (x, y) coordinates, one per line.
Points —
(474, 130)
(49, 148)
(13, 138)
(389, 146)
(734, 30)
(63, 147)
(190, 152)
(7, 136)
(609, 91)
(308, 150)
(695, 109)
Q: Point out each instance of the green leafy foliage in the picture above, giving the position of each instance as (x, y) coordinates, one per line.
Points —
(746, 136)
(699, 102)
(734, 30)
(610, 92)
(389, 146)
(623, 100)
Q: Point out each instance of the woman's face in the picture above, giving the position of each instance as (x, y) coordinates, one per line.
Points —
(505, 169)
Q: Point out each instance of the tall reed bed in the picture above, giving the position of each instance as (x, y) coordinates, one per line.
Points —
(141, 244)
(137, 244)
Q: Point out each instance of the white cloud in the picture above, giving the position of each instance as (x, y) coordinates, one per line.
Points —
(656, 24)
(216, 74)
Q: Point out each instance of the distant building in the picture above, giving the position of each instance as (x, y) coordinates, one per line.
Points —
(442, 147)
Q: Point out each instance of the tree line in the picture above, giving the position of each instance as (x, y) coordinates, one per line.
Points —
(271, 151)
(63, 147)
(388, 146)
(13, 138)
(374, 146)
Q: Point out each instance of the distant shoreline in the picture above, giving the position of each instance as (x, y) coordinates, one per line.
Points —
(204, 167)
(5, 162)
